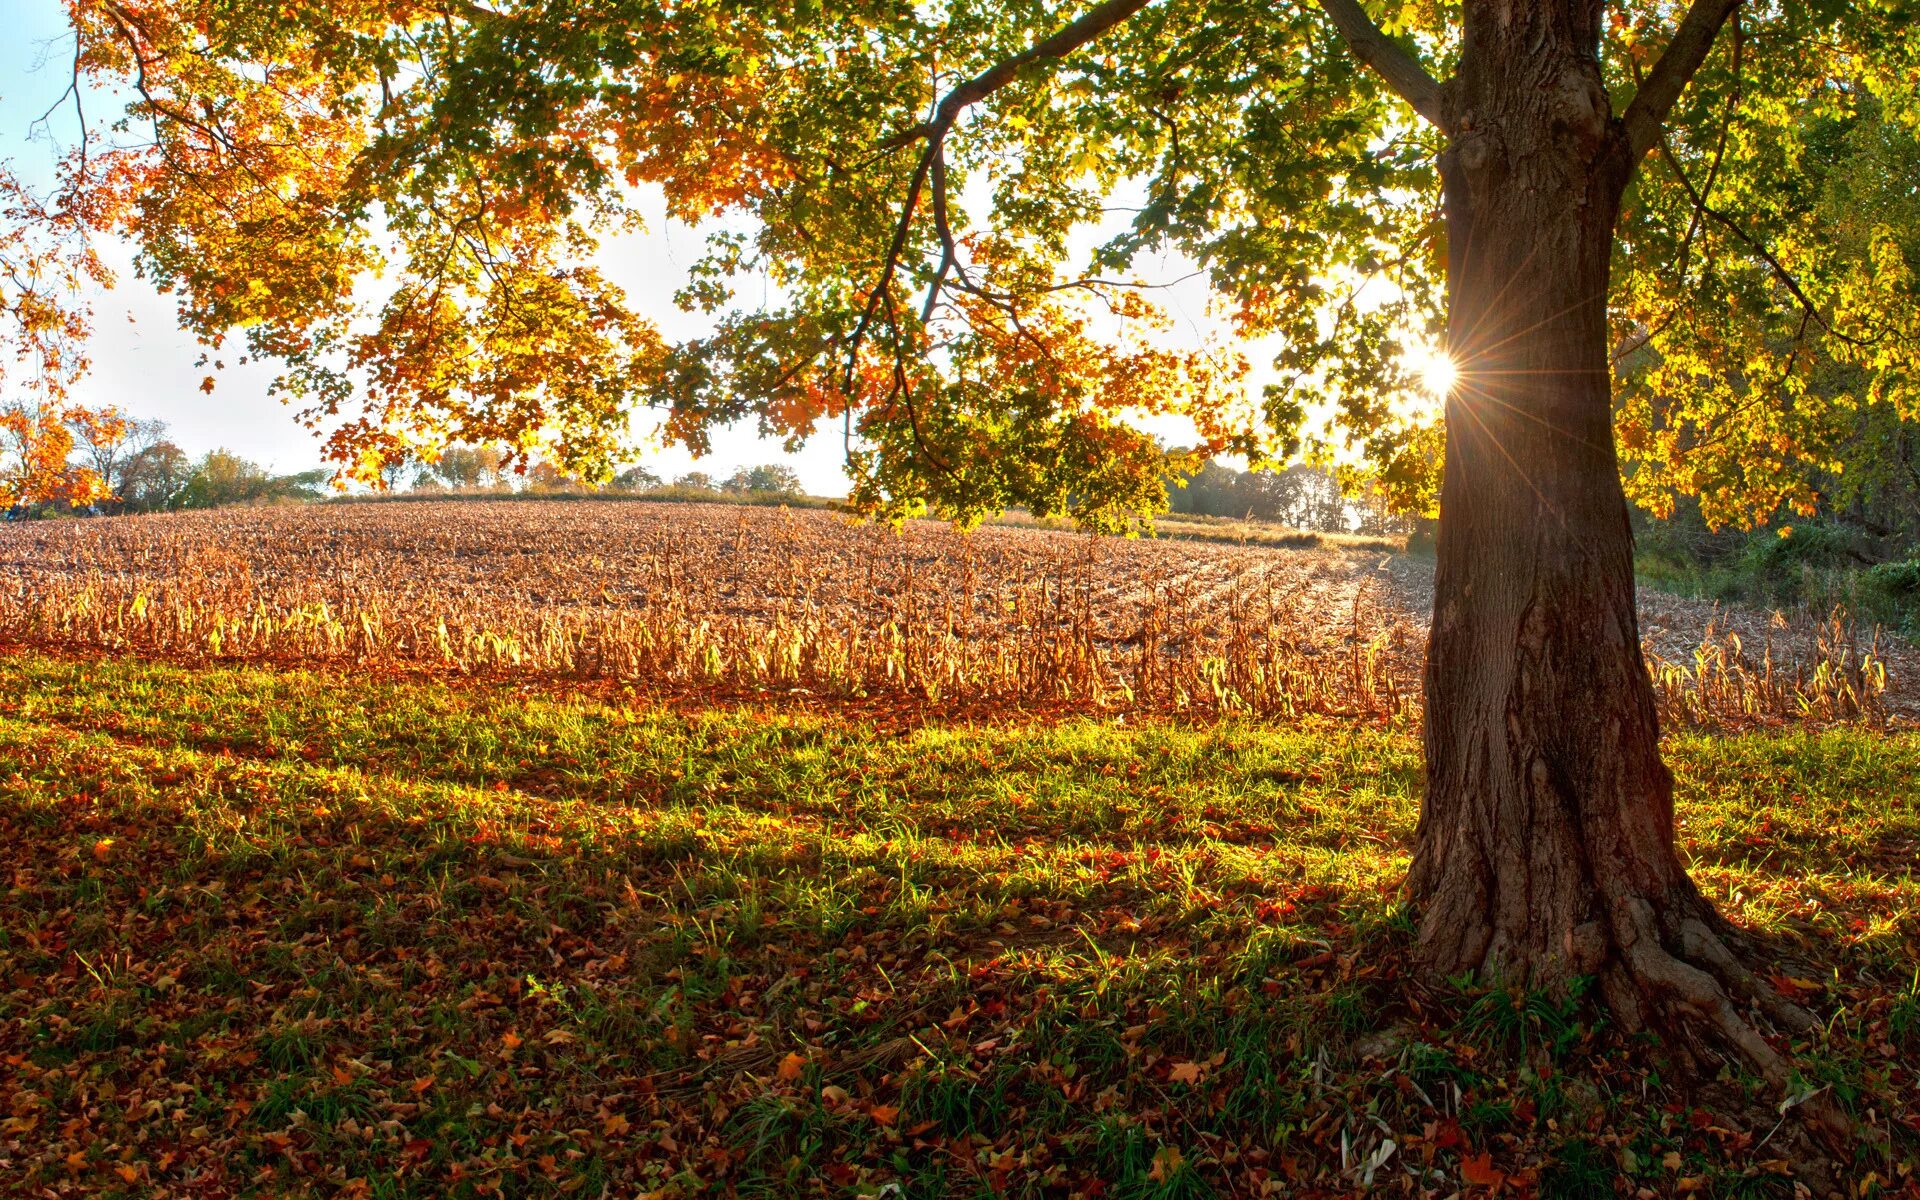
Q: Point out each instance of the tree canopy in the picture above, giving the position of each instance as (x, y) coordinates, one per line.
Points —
(959, 208)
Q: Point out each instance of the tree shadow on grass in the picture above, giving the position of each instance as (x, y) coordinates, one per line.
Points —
(277, 973)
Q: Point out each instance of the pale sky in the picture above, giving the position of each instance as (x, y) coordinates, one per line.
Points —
(144, 365)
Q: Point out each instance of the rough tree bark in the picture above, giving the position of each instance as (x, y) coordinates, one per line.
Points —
(1546, 840)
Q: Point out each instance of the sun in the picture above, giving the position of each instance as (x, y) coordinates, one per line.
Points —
(1436, 370)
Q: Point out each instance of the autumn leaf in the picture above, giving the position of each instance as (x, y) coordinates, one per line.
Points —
(103, 848)
(1187, 1072)
(615, 1125)
(791, 1066)
(885, 1114)
(1478, 1171)
(1166, 1162)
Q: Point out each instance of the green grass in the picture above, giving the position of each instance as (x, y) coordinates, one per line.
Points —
(285, 933)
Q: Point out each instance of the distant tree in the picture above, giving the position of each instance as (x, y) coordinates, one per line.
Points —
(544, 476)
(1302, 496)
(106, 447)
(223, 478)
(36, 446)
(698, 481)
(153, 478)
(1315, 500)
(1374, 515)
(771, 477)
(635, 479)
(466, 468)
(398, 471)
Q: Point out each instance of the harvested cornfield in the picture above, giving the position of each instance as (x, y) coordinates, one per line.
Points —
(731, 600)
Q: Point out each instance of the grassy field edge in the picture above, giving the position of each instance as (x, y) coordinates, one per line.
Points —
(320, 933)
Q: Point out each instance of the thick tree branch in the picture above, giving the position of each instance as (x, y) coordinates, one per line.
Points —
(1401, 70)
(1646, 115)
(931, 166)
(1070, 37)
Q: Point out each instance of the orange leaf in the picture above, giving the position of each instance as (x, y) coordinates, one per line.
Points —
(421, 1084)
(130, 1174)
(102, 848)
(792, 1065)
(510, 1041)
(1479, 1171)
(1186, 1072)
(615, 1125)
(886, 1114)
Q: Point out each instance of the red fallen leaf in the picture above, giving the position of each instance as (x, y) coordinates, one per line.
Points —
(1479, 1171)
(1791, 987)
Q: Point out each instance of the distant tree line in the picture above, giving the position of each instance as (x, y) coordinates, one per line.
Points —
(1300, 496)
(481, 469)
(144, 471)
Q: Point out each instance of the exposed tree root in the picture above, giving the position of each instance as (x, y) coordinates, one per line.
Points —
(1674, 969)
(1647, 979)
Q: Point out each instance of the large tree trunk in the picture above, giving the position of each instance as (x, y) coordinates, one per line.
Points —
(1545, 847)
